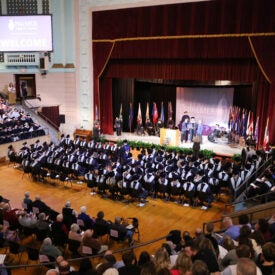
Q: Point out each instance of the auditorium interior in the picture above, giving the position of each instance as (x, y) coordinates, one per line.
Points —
(143, 127)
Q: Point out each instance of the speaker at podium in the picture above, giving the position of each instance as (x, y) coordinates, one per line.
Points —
(170, 137)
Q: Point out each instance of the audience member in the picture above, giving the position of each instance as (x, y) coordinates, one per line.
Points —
(123, 232)
(64, 268)
(242, 252)
(86, 267)
(69, 215)
(75, 233)
(148, 268)
(59, 231)
(204, 254)
(27, 202)
(230, 229)
(110, 258)
(130, 264)
(209, 235)
(266, 261)
(246, 266)
(92, 242)
(200, 268)
(162, 259)
(47, 248)
(88, 221)
(183, 265)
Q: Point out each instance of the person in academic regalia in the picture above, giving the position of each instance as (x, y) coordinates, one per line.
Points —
(118, 126)
(96, 130)
(170, 123)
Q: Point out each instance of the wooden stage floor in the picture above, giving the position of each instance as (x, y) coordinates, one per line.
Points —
(221, 147)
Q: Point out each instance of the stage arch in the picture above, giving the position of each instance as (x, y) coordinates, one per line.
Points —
(142, 45)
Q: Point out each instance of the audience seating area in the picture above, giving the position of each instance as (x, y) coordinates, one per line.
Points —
(16, 124)
(37, 238)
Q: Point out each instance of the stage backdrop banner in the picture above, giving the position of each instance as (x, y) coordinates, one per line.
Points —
(211, 105)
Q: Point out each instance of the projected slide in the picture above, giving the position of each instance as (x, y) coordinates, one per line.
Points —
(26, 33)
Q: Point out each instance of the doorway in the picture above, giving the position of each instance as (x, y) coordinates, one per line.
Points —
(25, 86)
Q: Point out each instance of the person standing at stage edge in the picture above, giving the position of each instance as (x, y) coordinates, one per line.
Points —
(118, 126)
(196, 147)
(96, 130)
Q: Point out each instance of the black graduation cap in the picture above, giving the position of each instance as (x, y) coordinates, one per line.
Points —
(210, 165)
(160, 166)
(159, 159)
(190, 178)
(111, 173)
(150, 170)
(175, 176)
(162, 174)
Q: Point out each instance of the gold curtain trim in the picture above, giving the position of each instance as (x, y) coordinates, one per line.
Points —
(107, 60)
(258, 61)
(184, 37)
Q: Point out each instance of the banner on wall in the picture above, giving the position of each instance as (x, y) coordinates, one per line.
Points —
(211, 105)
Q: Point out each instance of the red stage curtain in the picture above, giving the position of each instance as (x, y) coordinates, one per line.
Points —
(210, 42)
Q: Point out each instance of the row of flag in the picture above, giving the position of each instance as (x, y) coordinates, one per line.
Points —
(241, 121)
(154, 113)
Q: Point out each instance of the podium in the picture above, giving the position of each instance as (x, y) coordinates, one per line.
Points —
(86, 134)
(169, 137)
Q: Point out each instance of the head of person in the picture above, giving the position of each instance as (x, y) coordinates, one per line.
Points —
(110, 258)
(100, 215)
(144, 257)
(47, 241)
(200, 268)
(227, 222)
(37, 198)
(228, 243)
(27, 194)
(85, 265)
(167, 246)
(59, 218)
(205, 243)
(245, 266)
(209, 227)
(268, 252)
(64, 267)
(68, 204)
(128, 258)
(83, 209)
(117, 220)
(183, 263)
(148, 268)
(42, 216)
(198, 232)
(162, 258)
(243, 251)
(75, 228)
(110, 271)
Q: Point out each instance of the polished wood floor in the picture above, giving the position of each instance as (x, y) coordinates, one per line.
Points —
(156, 218)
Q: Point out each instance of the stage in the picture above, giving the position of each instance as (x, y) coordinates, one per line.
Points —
(220, 147)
